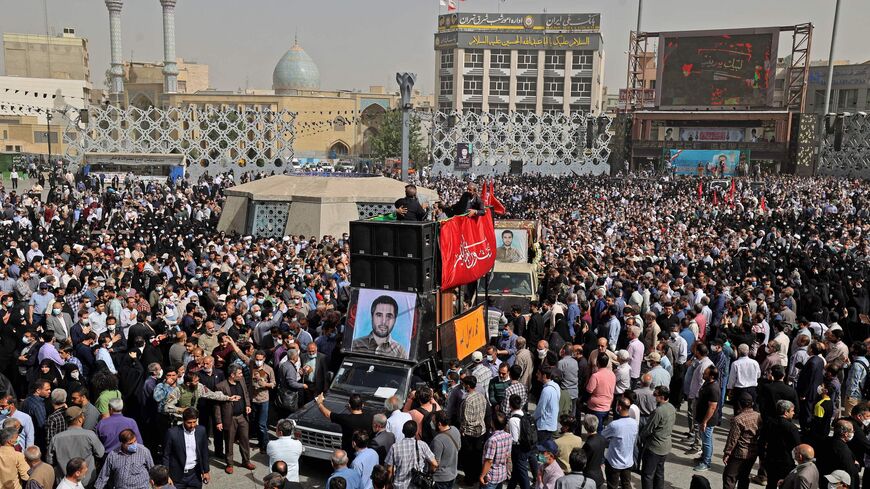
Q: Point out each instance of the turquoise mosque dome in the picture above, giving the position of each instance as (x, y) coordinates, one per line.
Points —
(295, 71)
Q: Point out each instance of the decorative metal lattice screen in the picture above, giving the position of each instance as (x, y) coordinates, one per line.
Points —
(214, 141)
(853, 158)
(546, 144)
(372, 209)
(270, 219)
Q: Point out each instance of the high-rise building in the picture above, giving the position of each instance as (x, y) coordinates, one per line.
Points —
(532, 63)
(63, 57)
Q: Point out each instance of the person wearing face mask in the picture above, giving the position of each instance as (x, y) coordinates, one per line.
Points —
(835, 454)
(860, 443)
(839, 479)
(855, 383)
(59, 321)
(263, 380)
(127, 466)
(507, 345)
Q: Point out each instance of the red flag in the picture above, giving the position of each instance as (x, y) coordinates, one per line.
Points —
(497, 206)
(715, 199)
(700, 190)
(484, 194)
(731, 194)
(762, 205)
(467, 249)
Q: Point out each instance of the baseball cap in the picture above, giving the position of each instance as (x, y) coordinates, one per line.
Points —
(73, 412)
(839, 476)
(548, 446)
(477, 357)
(44, 285)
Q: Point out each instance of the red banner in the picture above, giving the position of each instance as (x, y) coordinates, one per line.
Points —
(467, 249)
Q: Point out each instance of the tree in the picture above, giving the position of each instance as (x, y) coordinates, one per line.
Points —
(387, 143)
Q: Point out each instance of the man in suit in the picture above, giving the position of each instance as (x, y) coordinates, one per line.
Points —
(189, 438)
(314, 371)
(805, 475)
(233, 417)
(59, 322)
(837, 455)
(210, 377)
(808, 382)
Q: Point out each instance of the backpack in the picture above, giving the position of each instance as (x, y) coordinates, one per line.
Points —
(528, 432)
(428, 430)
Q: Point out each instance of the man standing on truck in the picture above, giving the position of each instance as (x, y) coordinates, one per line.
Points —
(384, 312)
(409, 208)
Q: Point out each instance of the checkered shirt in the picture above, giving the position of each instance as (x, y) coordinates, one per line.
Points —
(497, 448)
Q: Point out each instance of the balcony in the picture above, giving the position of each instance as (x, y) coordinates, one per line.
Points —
(760, 150)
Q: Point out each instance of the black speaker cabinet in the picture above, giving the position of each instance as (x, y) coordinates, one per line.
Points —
(398, 239)
(392, 273)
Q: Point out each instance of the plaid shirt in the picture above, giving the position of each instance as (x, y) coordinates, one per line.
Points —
(72, 300)
(515, 388)
(471, 414)
(54, 424)
(126, 470)
(742, 440)
(497, 448)
(403, 457)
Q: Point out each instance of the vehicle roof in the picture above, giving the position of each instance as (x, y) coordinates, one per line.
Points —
(514, 267)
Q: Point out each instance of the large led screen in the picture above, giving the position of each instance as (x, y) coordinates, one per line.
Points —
(717, 70)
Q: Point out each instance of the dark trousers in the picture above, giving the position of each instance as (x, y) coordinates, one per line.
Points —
(737, 472)
(520, 472)
(652, 473)
(190, 480)
(208, 420)
(445, 485)
(470, 456)
(677, 385)
(617, 478)
(738, 391)
(238, 431)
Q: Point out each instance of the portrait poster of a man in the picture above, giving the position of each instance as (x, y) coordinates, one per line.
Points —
(384, 323)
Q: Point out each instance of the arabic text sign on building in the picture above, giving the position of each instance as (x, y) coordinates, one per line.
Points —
(517, 41)
(520, 22)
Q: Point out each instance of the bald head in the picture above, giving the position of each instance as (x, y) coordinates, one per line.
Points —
(804, 453)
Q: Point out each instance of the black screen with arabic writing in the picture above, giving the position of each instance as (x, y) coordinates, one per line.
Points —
(717, 71)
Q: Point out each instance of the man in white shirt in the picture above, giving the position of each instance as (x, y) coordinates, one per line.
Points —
(286, 449)
(397, 417)
(76, 469)
(744, 374)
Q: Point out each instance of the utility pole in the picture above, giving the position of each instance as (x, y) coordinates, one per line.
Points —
(639, 11)
(831, 59)
(48, 134)
(406, 87)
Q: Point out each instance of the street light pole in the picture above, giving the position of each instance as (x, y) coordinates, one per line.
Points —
(639, 11)
(831, 59)
(48, 134)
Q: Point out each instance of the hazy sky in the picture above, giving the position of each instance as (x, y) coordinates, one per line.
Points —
(357, 43)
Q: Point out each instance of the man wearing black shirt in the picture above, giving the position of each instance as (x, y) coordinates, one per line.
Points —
(705, 415)
(469, 202)
(349, 422)
(408, 208)
(233, 417)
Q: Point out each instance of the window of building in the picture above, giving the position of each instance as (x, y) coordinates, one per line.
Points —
(553, 109)
(819, 100)
(474, 58)
(581, 87)
(527, 86)
(8, 148)
(554, 60)
(527, 60)
(582, 60)
(472, 107)
(446, 60)
(446, 85)
(445, 106)
(338, 124)
(848, 99)
(499, 85)
(472, 85)
(5, 134)
(554, 87)
(498, 108)
(526, 108)
(43, 137)
(500, 58)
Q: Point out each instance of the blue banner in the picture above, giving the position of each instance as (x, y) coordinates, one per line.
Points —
(708, 163)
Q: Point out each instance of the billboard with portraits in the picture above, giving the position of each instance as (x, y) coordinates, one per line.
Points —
(382, 323)
(512, 245)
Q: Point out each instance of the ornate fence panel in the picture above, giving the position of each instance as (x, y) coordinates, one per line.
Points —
(547, 144)
(270, 219)
(214, 141)
(853, 157)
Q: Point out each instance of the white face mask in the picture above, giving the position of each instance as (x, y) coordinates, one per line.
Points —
(542, 354)
(866, 422)
(832, 485)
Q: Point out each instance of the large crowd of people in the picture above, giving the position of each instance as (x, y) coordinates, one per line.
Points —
(138, 343)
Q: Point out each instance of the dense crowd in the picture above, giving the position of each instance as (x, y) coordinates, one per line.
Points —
(137, 341)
